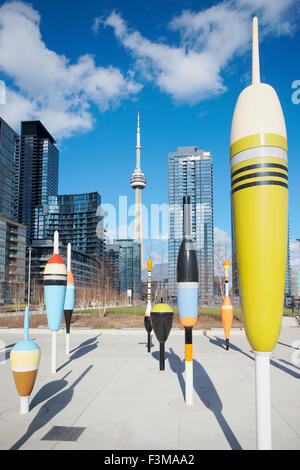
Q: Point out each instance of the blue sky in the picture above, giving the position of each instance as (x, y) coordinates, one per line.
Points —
(86, 70)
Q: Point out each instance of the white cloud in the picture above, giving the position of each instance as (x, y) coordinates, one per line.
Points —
(209, 40)
(47, 85)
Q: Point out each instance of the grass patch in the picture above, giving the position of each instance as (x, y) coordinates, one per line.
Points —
(140, 310)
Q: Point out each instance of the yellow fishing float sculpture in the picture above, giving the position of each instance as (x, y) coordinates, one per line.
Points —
(259, 181)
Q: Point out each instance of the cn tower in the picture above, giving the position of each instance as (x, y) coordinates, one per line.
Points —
(138, 182)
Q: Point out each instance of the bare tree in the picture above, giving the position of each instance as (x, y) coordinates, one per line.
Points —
(220, 256)
(17, 293)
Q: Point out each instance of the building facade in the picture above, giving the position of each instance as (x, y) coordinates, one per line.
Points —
(190, 173)
(112, 267)
(126, 256)
(78, 220)
(36, 172)
(86, 269)
(12, 261)
(8, 144)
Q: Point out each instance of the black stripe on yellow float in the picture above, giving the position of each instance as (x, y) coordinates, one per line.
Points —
(258, 174)
(259, 183)
(259, 165)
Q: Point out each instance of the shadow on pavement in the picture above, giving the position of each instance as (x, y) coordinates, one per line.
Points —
(284, 344)
(82, 350)
(86, 343)
(289, 364)
(50, 409)
(207, 393)
(156, 355)
(221, 343)
(48, 390)
(146, 343)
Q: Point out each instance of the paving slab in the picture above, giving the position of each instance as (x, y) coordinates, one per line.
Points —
(113, 389)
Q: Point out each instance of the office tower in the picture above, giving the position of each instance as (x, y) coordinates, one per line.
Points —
(138, 182)
(77, 219)
(127, 259)
(190, 173)
(130, 266)
(12, 261)
(36, 172)
(8, 141)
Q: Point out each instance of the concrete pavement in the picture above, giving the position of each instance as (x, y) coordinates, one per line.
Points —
(112, 390)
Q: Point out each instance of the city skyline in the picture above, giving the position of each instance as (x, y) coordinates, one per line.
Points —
(174, 114)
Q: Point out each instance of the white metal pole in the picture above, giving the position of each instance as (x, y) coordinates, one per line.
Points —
(189, 393)
(263, 401)
(53, 366)
(67, 343)
(24, 405)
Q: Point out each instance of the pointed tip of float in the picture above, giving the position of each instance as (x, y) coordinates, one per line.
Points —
(255, 52)
(186, 216)
(56, 241)
(69, 251)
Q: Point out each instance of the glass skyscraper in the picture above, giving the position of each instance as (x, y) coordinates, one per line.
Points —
(130, 266)
(77, 219)
(124, 257)
(190, 173)
(36, 172)
(8, 141)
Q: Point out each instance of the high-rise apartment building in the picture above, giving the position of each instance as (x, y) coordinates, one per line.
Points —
(12, 261)
(190, 173)
(36, 172)
(8, 141)
(77, 219)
